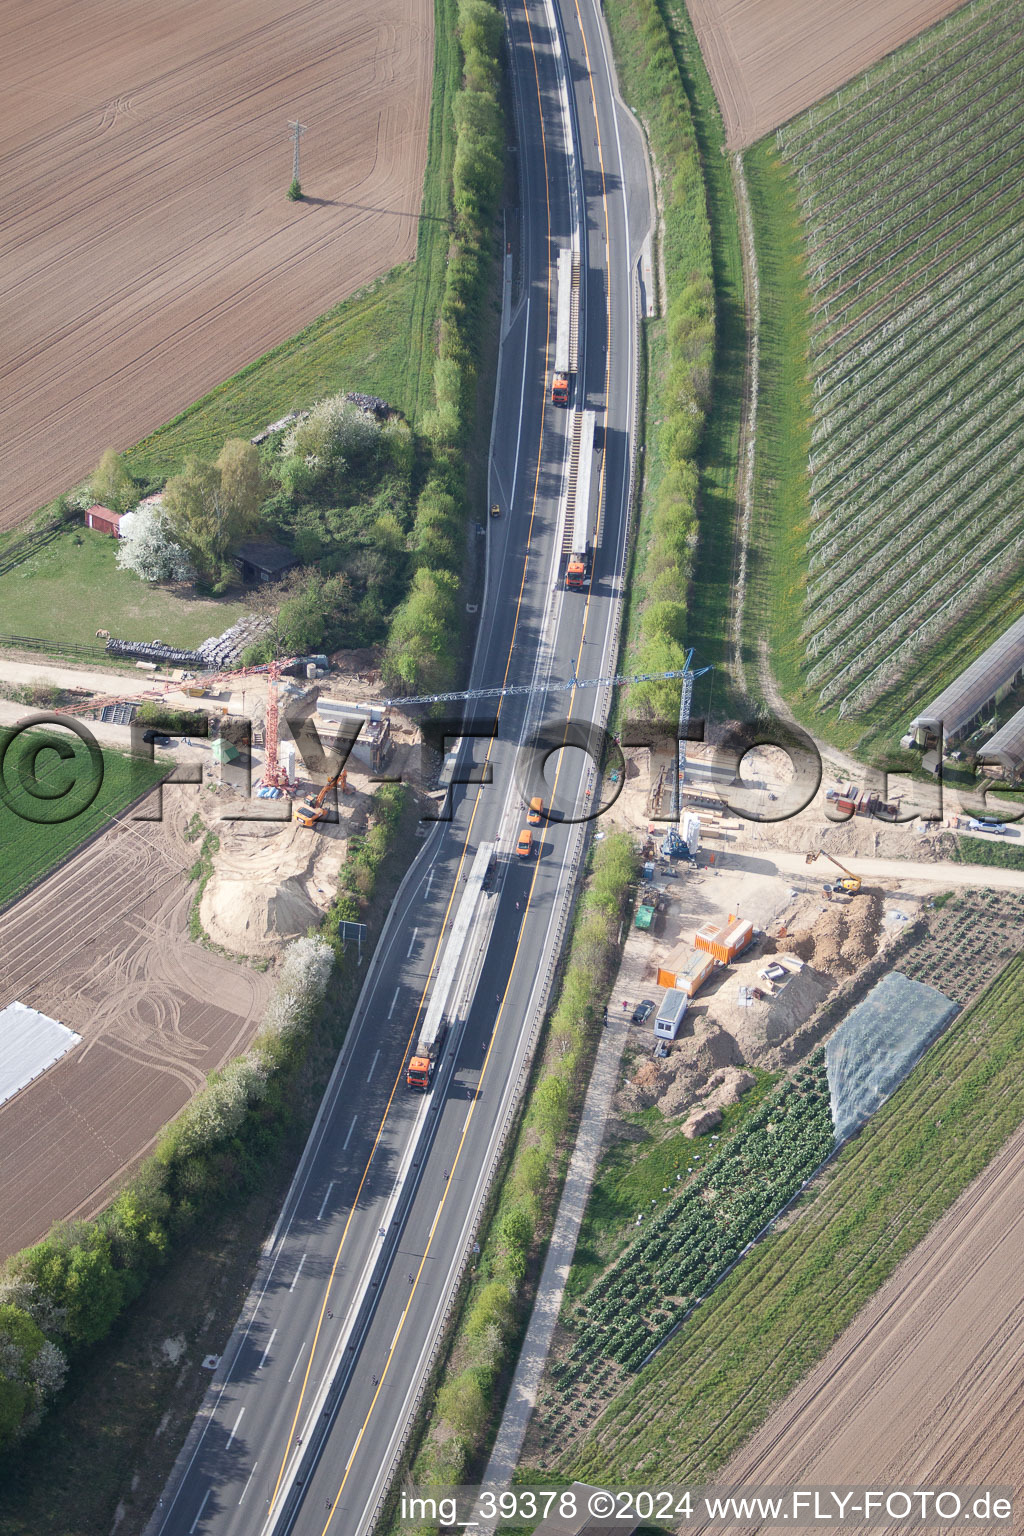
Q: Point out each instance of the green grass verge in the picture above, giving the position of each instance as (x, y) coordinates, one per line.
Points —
(200, 872)
(777, 569)
(379, 340)
(978, 850)
(72, 587)
(785, 1305)
(712, 588)
(32, 847)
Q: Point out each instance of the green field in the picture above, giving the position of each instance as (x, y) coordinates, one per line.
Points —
(32, 846)
(782, 1308)
(72, 587)
(890, 503)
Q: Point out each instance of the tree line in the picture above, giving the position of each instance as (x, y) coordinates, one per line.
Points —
(421, 651)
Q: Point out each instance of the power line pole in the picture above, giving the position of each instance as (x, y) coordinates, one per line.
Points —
(297, 129)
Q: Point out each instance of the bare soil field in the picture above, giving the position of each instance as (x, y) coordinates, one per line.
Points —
(147, 246)
(102, 945)
(923, 1389)
(770, 59)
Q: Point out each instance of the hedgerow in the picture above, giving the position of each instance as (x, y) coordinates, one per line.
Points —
(682, 376)
(421, 650)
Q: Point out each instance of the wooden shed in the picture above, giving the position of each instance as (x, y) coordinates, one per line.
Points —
(103, 520)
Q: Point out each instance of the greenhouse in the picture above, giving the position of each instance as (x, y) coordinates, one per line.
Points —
(878, 1043)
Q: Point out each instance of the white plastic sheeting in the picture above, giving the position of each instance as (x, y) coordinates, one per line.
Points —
(29, 1043)
(878, 1043)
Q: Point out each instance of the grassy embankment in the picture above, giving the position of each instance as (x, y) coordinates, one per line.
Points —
(633, 1174)
(712, 591)
(31, 847)
(904, 317)
(679, 361)
(781, 1310)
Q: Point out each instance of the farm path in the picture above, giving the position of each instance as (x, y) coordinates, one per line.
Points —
(942, 873)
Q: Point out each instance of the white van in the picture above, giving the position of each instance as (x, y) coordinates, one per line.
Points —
(670, 1016)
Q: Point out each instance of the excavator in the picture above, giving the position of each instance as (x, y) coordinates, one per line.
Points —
(315, 810)
(850, 882)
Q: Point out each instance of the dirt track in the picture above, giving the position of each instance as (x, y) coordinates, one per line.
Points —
(102, 946)
(769, 59)
(923, 1389)
(147, 247)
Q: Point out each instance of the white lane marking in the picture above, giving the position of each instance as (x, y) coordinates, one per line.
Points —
(373, 1064)
(394, 1000)
(248, 1480)
(430, 881)
(320, 1212)
(234, 1432)
(298, 1357)
(266, 1352)
(412, 943)
(297, 1272)
(198, 1517)
(351, 1128)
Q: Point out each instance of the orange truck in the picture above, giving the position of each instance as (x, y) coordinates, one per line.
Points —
(567, 325)
(727, 942)
(579, 508)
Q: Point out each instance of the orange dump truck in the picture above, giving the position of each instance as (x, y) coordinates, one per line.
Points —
(686, 970)
(727, 942)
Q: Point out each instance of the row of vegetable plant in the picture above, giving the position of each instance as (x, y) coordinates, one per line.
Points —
(722, 1205)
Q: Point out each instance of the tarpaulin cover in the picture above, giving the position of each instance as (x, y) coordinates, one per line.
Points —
(878, 1043)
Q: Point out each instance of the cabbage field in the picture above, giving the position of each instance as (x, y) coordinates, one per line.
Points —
(684, 1248)
(909, 184)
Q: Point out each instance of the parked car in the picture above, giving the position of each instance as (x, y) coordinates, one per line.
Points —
(643, 1011)
(154, 739)
(987, 826)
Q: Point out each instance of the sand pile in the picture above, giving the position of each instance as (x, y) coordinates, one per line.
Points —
(270, 883)
(842, 940)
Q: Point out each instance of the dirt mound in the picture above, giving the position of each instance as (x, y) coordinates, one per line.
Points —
(842, 940)
(270, 883)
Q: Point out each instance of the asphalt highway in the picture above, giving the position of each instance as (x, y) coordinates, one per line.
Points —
(309, 1405)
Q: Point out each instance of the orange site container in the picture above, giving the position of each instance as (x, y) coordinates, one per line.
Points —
(686, 970)
(724, 943)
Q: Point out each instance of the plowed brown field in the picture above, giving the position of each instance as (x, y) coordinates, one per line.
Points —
(769, 59)
(102, 945)
(147, 249)
(923, 1390)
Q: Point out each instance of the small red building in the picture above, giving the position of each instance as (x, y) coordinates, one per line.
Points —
(103, 520)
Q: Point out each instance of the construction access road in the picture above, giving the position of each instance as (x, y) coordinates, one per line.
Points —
(310, 1403)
